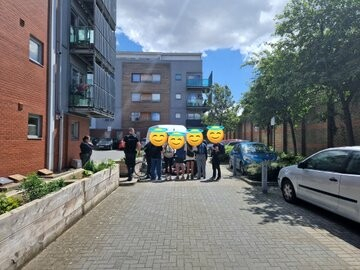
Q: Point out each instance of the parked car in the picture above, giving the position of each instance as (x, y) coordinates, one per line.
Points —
(105, 144)
(245, 153)
(329, 179)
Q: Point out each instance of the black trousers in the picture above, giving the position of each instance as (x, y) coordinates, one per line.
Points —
(130, 162)
(216, 167)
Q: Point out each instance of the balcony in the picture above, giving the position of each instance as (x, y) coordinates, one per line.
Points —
(81, 37)
(198, 83)
(197, 104)
(85, 99)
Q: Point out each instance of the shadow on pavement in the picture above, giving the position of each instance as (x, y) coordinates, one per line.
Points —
(273, 208)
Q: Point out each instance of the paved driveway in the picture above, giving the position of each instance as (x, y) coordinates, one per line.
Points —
(192, 225)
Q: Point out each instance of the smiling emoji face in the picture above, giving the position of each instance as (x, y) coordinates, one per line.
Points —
(158, 136)
(194, 137)
(215, 134)
(176, 140)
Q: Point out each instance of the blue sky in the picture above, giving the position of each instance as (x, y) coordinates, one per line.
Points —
(226, 32)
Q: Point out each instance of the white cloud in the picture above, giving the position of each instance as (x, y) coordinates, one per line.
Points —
(198, 25)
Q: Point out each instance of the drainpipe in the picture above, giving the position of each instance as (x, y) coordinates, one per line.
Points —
(59, 86)
(51, 85)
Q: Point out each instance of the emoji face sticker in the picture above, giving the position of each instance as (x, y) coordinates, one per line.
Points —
(158, 136)
(215, 134)
(194, 137)
(176, 139)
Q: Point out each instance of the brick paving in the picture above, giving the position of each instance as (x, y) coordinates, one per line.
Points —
(192, 225)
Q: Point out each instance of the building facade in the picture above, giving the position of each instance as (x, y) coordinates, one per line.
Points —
(57, 72)
(23, 85)
(85, 82)
(156, 88)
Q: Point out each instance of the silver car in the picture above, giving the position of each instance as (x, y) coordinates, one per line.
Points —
(329, 179)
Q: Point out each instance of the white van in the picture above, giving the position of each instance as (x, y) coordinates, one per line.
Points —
(170, 128)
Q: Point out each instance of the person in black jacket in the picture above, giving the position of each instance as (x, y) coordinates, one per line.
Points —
(86, 148)
(132, 145)
(216, 151)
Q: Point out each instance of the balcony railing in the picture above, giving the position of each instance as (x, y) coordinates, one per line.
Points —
(198, 83)
(81, 95)
(197, 103)
(81, 37)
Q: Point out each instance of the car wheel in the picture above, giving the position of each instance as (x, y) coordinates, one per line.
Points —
(288, 191)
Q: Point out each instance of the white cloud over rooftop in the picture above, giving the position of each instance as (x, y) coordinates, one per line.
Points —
(198, 25)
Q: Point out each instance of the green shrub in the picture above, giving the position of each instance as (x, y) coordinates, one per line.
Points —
(93, 167)
(253, 171)
(8, 203)
(35, 188)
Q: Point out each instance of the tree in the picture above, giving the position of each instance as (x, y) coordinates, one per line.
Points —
(223, 109)
(278, 90)
(326, 35)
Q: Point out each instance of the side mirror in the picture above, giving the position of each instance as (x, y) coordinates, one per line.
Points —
(302, 165)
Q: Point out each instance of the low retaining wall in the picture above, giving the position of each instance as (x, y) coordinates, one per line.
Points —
(26, 230)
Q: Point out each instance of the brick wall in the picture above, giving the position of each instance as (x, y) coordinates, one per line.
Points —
(162, 88)
(23, 85)
(315, 133)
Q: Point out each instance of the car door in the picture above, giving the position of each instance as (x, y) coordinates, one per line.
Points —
(320, 178)
(349, 195)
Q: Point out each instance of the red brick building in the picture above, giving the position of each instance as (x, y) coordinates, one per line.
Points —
(23, 85)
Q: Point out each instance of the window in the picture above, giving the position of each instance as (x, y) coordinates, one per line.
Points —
(155, 97)
(147, 78)
(136, 77)
(155, 116)
(36, 50)
(332, 161)
(354, 164)
(75, 130)
(178, 77)
(135, 97)
(156, 78)
(178, 96)
(193, 116)
(135, 116)
(34, 126)
(177, 115)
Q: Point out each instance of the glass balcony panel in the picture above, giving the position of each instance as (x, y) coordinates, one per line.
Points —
(198, 83)
(81, 36)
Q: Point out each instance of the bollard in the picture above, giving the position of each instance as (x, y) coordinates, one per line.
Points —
(234, 166)
(264, 172)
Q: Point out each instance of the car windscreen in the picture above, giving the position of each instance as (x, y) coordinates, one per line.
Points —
(254, 148)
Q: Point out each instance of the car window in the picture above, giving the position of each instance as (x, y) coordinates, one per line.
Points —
(354, 164)
(332, 161)
(254, 148)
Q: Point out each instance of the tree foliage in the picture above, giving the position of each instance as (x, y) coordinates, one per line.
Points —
(315, 60)
(223, 109)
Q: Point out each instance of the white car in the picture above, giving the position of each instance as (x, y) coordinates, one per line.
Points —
(329, 179)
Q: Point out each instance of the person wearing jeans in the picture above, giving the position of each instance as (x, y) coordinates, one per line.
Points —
(201, 156)
(155, 154)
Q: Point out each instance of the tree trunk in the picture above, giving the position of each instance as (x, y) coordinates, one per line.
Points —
(303, 137)
(293, 135)
(331, 128)
(347, 118)
(285, 137)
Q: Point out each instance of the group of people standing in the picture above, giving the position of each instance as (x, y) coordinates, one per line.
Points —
(183, 158)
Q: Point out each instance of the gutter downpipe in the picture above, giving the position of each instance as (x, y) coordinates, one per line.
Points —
(51, 84)
(59, 85)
